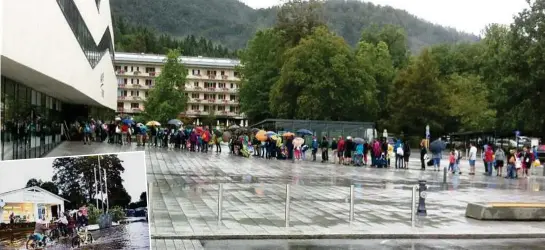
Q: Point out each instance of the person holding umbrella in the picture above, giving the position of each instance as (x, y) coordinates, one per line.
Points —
(324, 145)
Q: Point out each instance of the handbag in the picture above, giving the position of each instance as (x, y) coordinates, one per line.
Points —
(399, 151)
(117, 130)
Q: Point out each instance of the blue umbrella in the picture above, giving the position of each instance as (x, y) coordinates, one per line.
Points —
(143, 129)
(304, 132)
(128, 121)
(175, 122)
(270, 133)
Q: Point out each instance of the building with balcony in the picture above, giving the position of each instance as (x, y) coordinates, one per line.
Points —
(57, 67)
(212, 86)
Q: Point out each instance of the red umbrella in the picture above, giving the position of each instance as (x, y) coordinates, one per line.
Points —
(199, 130)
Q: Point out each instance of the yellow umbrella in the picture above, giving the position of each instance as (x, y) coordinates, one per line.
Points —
(261, 135)
(153, 123)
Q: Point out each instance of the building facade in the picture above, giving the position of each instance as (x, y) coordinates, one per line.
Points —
(57, 67)
(212, 86)
(30, 204)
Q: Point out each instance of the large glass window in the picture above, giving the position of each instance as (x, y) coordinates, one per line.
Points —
(31, 122)
(92, 51)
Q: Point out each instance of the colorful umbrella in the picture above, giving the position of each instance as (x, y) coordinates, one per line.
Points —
(261, 135)
(359, 140)
(153, 123)
(298, 141)
(288, 134)
(139, 124)
(128, 121)
(218, 132)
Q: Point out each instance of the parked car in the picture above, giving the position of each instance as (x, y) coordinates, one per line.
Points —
(508, 143)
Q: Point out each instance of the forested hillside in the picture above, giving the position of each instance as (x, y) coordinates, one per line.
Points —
(232, 23)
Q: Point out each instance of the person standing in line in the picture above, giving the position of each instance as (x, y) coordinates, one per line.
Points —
(324, 146)
(500, 161)
(340, 150)
(314, 148)
(398, 149)
(423, 152)
(334, 149)
(458, 158)
(472, 158)
(489, 160)
(483, 156)
(406, 154)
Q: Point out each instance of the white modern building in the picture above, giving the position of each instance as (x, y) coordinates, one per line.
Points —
(212, 86)
(31, 203)
(56, 67)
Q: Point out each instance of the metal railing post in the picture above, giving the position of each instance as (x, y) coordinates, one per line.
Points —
(287, 215)
(220, 202)
(445, 175)
(413, 205)
(351, 217)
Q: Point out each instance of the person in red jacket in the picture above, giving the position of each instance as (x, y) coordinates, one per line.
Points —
(489, 159)
(340, 149)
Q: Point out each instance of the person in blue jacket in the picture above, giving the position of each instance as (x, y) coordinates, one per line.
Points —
(314, 148)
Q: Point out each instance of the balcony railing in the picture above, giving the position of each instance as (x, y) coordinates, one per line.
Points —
(120, 72)
(211, 100)
(121, 97)
(211, 76)
(136, 73)
(137, 98)
(136, 110)
(151, 73)
(224, 77)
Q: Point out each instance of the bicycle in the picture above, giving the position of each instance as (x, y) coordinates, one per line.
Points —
(82, 237)
(34, 241)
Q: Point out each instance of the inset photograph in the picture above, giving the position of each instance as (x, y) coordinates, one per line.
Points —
(81, 202)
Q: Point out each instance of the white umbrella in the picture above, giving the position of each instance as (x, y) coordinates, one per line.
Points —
(118, 118)
(385, 134)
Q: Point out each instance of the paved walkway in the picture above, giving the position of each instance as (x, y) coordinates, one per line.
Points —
(184, 193)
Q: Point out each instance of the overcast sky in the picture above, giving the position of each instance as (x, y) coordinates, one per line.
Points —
(15, 174)
(465, 15)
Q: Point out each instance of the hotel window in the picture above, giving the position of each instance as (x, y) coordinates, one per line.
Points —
(221, 97)
(132, 80)
(150, 69)
(135, 105)
(194, 107)
(195, 96)
(232, 97)
(146, 94)
(138, 81)
(125, 81)
(196, 84)
(196, 72)
(137, 68)
(117, 68)
(221, 108)
(236, 74)
(222, 73)
(132, 68)
(126, 68)
(135, 93)
(231, 109)
(232, 85)
(148, 82)
(206, 108)
(221, 85)
(120, 105)
(211, 72)
(125, 93)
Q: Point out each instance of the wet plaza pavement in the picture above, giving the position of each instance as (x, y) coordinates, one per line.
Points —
(184, 193)
(128, 236)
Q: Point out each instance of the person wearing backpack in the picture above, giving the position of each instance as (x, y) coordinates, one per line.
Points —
(398, 149)
(86, 134)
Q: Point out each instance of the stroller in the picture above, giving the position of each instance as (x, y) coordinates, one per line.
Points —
(382, 162)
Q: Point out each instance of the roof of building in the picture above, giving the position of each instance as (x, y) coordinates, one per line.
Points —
(189, 60)
(36, 188)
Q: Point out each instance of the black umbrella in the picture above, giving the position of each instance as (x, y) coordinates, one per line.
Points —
(255, 130)
(437, 146)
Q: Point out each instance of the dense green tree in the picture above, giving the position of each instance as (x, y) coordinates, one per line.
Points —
(167, 99)
(377, 62)
(316, 78)
(419, 98)
(468, 102)
(395, 39)
(296, 19)
(262, 62)
(75, 179)
(233, 24)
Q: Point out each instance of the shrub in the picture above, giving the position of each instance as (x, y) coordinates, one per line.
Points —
(117, 213)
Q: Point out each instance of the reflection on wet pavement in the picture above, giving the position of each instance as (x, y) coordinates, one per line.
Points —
(127, 236)
(376, 244)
